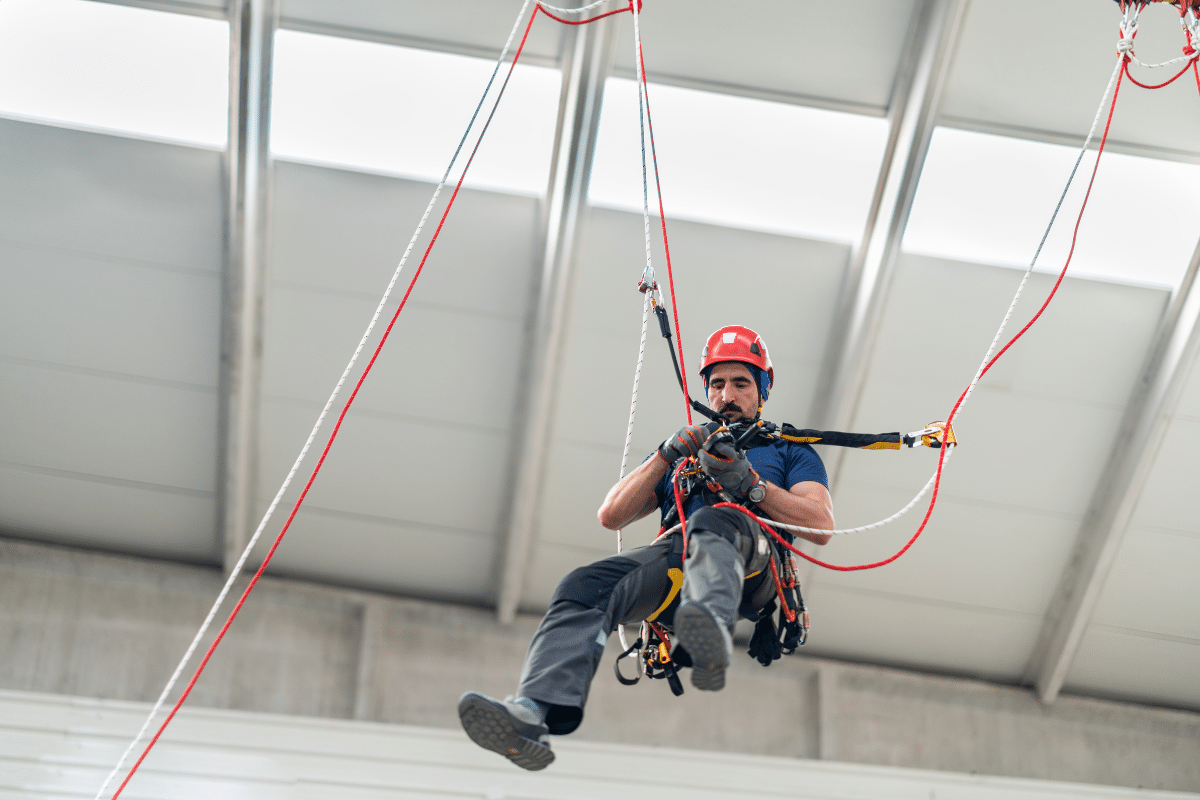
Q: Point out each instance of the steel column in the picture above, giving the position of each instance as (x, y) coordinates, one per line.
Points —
(913, 115)
(252, 26)
(586, 63)
(1175, 350)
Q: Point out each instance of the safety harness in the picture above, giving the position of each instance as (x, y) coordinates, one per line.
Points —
(775, 603)
(776, 606)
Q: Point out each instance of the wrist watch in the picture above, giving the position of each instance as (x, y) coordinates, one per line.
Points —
(757, 492)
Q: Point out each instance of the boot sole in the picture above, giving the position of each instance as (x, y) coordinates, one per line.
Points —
(702, 637)
(491, 728)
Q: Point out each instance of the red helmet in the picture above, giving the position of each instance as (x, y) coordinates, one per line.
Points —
(739, 343)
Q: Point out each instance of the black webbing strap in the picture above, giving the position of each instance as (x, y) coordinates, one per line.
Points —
(861, 441)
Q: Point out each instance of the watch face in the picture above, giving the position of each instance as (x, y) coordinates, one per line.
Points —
(758, 493)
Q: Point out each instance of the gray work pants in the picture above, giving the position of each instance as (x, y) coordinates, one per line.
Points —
(627, 588)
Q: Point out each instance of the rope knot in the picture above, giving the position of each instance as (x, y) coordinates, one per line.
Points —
(1125, 47)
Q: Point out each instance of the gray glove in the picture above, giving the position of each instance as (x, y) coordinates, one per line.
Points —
(687, 441)
(728, 466)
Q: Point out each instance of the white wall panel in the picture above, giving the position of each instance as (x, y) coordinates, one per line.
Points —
(107, 513)
(1169, 499)
(1088, 346)
(346, 231)
(110, 257)
(979, 553)
(1155, 669)
(443, 364)
(111, 196)
(416, 479)
(110, 315)
(386, 554)
(394, 468)
(903, 630)
(112, 428)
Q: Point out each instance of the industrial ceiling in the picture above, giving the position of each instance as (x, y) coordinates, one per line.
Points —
(1062, 552)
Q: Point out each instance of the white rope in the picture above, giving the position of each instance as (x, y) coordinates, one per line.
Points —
(582, 10)
(991, 348)
(873, 525)
(642, 102)
(1000, 332)
(637, 376)
(649, 272)
(233, 575)
(1134, 59)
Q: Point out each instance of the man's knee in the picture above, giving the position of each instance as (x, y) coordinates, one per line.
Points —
(738, 529)
(591, 586)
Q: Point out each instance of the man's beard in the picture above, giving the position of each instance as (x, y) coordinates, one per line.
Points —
(732, 407)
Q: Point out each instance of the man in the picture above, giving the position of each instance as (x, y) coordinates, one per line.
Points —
(784, 481)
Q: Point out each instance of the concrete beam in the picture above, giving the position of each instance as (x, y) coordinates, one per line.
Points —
(1175, 351)
(95, 625)
(252, 26)
(913, 114)
(586, 63)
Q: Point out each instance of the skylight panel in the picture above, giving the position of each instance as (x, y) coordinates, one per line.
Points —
(399, 110)
(741, 162)
(987, 199)
(117, 69)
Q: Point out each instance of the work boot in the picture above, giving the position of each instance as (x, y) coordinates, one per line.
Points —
(708, 643)
(509, 728)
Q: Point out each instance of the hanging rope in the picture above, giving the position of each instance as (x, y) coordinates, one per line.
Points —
(241, 562)
(989, 360)
(321, 418)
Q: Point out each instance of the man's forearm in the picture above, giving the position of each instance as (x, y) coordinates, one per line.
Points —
(809, 510)
(633, 496)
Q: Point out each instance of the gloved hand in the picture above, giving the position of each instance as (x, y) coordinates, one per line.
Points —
(687, 441)
(728, 466)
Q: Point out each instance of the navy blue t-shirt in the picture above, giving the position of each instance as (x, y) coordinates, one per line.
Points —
(781, 462)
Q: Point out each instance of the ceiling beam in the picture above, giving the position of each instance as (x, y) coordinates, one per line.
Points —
(1154, 399)
(912, 113)
(587, 60)
(251, 29)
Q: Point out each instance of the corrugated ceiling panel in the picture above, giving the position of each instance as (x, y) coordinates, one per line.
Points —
(391, 502)
(799, 48)
(110, 256)
(1067, 52)
(1034, 438)
(782, 286)
(1144, 637)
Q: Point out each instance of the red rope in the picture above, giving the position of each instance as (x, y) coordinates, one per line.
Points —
(1190, 64)
(949, 419)
(333, 434)
(679, 506)
(666, 244)
(1196, 71)
(589, 19)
